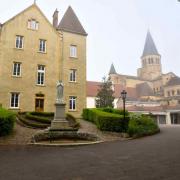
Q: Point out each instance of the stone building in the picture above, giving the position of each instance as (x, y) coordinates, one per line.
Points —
(150, 92)
(35, 54)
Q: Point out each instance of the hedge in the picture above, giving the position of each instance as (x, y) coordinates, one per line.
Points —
(142, 125)
(106, 121)
(33, 124)
(7, 120)
(45, 114)
(115, 111)
(37, 118)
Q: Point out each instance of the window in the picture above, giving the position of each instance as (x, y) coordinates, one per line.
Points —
(172, 92)
(14, 100)
(33, 24)
(72, 103)
(41, 75)
(19, 42)
(73, 75)
(73, 51)
(168, 93)
(178, 92)
(42, 45)
(151, 60)
(157, 61)
(16, 69)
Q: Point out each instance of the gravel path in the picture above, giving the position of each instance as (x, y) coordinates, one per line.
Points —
(88, 127)
(22, 135)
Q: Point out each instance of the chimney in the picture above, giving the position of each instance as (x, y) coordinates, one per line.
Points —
(55, 18)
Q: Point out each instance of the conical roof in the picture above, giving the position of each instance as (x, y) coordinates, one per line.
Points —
(71, 23)
(149, 47)
(112, 69)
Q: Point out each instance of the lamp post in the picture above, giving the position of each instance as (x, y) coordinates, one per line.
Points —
(123, 96)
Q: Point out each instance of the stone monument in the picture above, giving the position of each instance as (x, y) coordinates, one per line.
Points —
(59, 122)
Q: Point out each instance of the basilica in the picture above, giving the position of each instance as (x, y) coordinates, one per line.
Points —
(150, 92)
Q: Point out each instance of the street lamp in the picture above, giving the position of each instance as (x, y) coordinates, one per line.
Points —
(123, 96)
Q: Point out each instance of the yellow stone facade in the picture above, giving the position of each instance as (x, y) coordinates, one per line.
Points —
(56, 60)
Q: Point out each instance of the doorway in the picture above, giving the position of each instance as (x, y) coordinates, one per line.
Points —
(39, 104)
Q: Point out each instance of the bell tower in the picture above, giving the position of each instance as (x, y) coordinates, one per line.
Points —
(151, 61)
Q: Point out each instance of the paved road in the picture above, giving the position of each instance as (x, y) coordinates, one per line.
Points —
(156, 157)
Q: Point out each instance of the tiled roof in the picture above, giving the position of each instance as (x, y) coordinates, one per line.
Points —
(71, 23)
(92, 90)
(144, 89)
(145, 108)
(149, 47)
(173, 81)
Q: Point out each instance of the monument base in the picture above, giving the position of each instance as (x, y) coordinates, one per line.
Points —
(59, 123)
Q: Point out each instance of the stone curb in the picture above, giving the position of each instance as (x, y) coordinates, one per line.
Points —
(65, 144)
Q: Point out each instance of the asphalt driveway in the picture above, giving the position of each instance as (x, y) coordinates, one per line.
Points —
(156, 157)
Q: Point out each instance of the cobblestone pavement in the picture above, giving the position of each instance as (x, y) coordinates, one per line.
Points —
(151, 158)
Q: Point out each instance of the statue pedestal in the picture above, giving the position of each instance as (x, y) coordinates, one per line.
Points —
(59, 123)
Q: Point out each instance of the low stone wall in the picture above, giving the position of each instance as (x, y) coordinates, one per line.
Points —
(54, 135)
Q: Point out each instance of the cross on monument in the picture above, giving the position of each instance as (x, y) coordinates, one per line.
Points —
(34, 1)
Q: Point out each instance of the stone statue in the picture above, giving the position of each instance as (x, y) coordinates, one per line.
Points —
(60, 92)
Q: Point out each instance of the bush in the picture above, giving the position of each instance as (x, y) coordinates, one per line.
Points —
(32, 124)
(45, 114)
(85, 114)
(106, 121)
(37, 118)
(7, 120)
(115, 111)
(142, 125)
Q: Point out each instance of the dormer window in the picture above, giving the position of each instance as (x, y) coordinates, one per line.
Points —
(33, 24)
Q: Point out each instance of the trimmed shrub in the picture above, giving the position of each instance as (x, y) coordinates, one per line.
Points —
(45, 114)
(85, 114)
(31, 123)
(142, 125)
(106, 121)
(7, 120)
(115, 111)
(40, 119)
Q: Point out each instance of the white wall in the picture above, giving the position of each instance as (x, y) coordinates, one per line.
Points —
(90, 102)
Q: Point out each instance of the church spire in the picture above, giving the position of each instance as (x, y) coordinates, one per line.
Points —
(149, 47)
(112, 69)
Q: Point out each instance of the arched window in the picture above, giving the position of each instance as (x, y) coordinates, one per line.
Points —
(149, 60)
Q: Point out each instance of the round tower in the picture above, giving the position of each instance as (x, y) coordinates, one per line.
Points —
(151, 61)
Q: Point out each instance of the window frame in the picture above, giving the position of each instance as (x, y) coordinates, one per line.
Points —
(15, 70)
(73, 75)
(73, 51)
(14, 99)
(72, 103)
(42, 47)
(20, 40)
(32, 26)
(41, 74)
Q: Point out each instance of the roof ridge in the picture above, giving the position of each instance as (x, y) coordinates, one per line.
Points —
(149, 46)
(71, 23)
